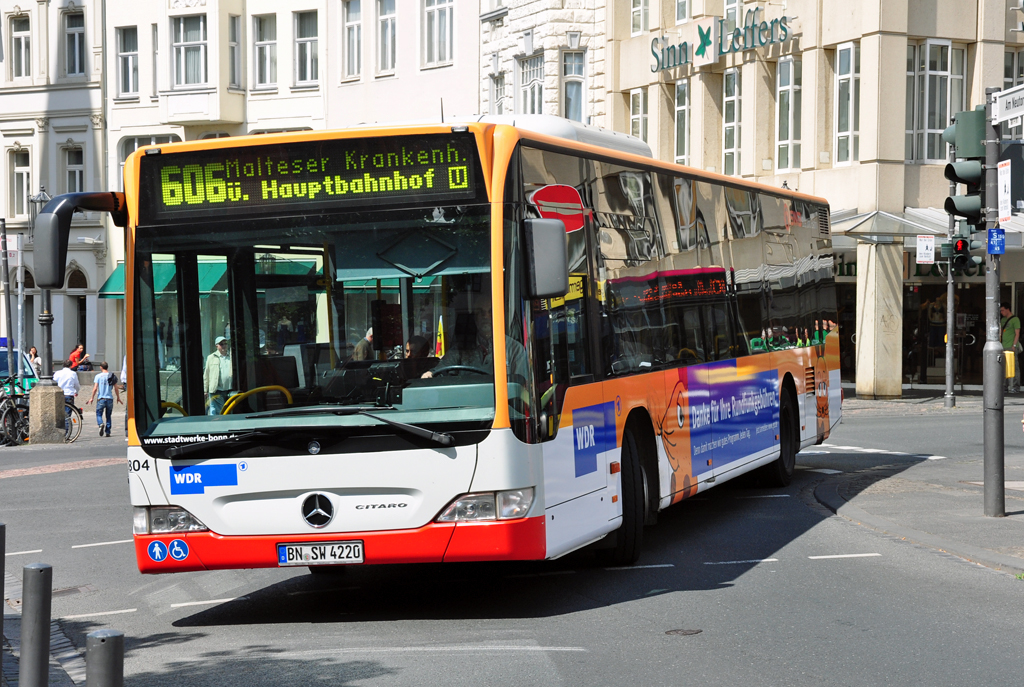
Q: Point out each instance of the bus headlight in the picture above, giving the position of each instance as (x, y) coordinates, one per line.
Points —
(502, 505)
(163, 520)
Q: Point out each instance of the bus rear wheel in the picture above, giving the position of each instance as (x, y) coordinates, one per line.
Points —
(629, 537)
(780, 472)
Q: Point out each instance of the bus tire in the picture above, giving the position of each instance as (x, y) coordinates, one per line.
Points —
(780, 472)
(629, 536)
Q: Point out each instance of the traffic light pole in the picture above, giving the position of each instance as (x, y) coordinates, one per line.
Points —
(949, 399)
(994, 370)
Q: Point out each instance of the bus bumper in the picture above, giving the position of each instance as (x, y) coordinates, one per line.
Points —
(434, 543)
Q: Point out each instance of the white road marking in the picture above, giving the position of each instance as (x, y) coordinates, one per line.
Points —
(765, 496)
(103, 543)
(936, 457)
(812, 453)
(93, 615)
(640, 567)
(751, 560)
(207, 603)
(24, 553)
(844, 555)
(826, 471)
(426, 649)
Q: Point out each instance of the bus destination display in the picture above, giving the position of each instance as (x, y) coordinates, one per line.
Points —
(308, 176)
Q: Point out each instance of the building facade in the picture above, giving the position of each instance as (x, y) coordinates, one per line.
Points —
(846, 101)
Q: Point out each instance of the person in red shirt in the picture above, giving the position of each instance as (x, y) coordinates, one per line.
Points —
(78, 357)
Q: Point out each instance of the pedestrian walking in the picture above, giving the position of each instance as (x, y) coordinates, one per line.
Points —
(104, 388)
(1009, 325)
(217, 379)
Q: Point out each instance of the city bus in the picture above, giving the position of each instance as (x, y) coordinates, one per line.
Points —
(500, 339)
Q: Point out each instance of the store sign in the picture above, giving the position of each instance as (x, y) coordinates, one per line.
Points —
(703, 42)
(925, 250)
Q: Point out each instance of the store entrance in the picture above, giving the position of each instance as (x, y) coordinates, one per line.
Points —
(924, 332)
(846, 297)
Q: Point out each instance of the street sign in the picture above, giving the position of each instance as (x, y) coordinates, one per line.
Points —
(996, 241)
(925, 250)
(1005, 197)
(14, 250)
(1009, 104)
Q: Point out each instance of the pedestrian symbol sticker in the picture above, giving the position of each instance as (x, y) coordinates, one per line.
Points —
(179, 550)
(157, 551)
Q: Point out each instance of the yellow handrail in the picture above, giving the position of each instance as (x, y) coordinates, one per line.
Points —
(164, 405)
(231, 402)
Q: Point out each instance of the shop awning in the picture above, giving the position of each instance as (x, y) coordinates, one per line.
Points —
(113, 287)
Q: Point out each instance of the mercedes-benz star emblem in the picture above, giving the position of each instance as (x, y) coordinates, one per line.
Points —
(314, 447)
(317, 510)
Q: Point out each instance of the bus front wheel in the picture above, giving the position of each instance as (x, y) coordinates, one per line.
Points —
(779, 473)
(629, 536)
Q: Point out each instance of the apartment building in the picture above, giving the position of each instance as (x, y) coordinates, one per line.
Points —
(841, 100)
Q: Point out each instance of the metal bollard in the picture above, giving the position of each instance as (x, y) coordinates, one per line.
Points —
(37, 588)
(104, 659)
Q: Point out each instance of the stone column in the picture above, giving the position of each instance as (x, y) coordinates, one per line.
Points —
(879, 320)
(42, 155)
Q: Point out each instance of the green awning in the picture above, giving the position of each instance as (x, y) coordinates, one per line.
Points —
(113, 287)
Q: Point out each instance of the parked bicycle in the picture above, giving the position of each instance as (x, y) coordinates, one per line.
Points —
(14, 416)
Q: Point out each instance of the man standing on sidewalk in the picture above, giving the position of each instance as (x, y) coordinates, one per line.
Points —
(1010, 326)
(67, 380)
(105, 386)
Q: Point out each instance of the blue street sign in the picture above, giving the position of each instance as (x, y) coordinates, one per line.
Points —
(996, 241)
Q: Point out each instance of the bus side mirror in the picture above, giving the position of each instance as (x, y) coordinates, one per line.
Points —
(53, 227)
(547, 258)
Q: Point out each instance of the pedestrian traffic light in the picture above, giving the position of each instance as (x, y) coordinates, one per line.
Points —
(962, 258)
(967, 136)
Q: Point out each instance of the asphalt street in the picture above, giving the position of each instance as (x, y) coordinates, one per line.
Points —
(738, 585)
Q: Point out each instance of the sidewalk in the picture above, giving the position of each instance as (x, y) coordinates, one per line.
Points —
(940, 505)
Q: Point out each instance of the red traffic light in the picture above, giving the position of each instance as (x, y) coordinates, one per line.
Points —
(960, 246)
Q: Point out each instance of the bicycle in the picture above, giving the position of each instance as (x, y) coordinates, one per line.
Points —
(13, 413)
(72, 422)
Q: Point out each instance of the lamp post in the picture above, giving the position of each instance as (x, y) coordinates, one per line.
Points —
(45, 316)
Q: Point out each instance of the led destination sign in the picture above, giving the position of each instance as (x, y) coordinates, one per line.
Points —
(308, 176)
(666, 289)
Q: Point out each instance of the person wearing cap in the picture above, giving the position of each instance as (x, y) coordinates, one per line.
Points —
(217, 376)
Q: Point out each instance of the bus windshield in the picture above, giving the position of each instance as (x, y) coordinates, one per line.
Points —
(239, 321)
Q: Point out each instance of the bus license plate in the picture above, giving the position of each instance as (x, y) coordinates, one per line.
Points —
(325, 553)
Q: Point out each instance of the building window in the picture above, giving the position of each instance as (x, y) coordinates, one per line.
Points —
(787, 113)
(386, 35)
(531, 85)
(732, 98)
(74, 43)
(682, 11)
(20, 183)
(437, 26)
(130, 145)
(683, 122)
(353, 37)
(307, 63)
(847, 144)
(732, 10)
(156, 59)
(937, 94)
(265, 34)
(128, 61)
(498, 94)
(572, 84)
(235, 51)
(638, 113)
(189, 50)
(638, 16)
(21, 53)
(74, 164)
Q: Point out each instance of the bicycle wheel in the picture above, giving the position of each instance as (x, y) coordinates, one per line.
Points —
(9, 426)
(73, 425)
(22, 423)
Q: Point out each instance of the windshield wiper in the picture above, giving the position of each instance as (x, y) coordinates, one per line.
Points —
(238, 439)
(441, 438)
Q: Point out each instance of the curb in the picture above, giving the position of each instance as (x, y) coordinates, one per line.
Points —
(827, 495)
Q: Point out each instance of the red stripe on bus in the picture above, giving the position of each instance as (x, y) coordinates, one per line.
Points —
(510, 540)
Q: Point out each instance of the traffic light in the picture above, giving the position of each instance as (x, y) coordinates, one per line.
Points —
(962, 247)
(967, 136)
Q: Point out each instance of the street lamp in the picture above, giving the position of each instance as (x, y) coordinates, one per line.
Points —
(45, 316)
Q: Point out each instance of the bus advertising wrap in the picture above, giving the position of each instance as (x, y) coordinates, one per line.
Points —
(308, 176)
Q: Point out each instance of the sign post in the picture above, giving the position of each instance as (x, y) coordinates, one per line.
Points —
(993, 365)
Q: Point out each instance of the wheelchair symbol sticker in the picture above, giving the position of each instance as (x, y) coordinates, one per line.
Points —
(157, 551)
(178, 550)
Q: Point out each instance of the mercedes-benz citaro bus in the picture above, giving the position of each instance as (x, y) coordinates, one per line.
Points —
(499, 339)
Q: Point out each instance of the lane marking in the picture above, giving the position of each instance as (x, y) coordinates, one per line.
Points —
(94, 615)
(103, 543)
(207, 603)
(750, 560)
(24, 553)
(936, 457)
(423, 649)
(844, 555)
(813, 453)
(641, 567)
(826, 471)
(765, 496)
(61, 467)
